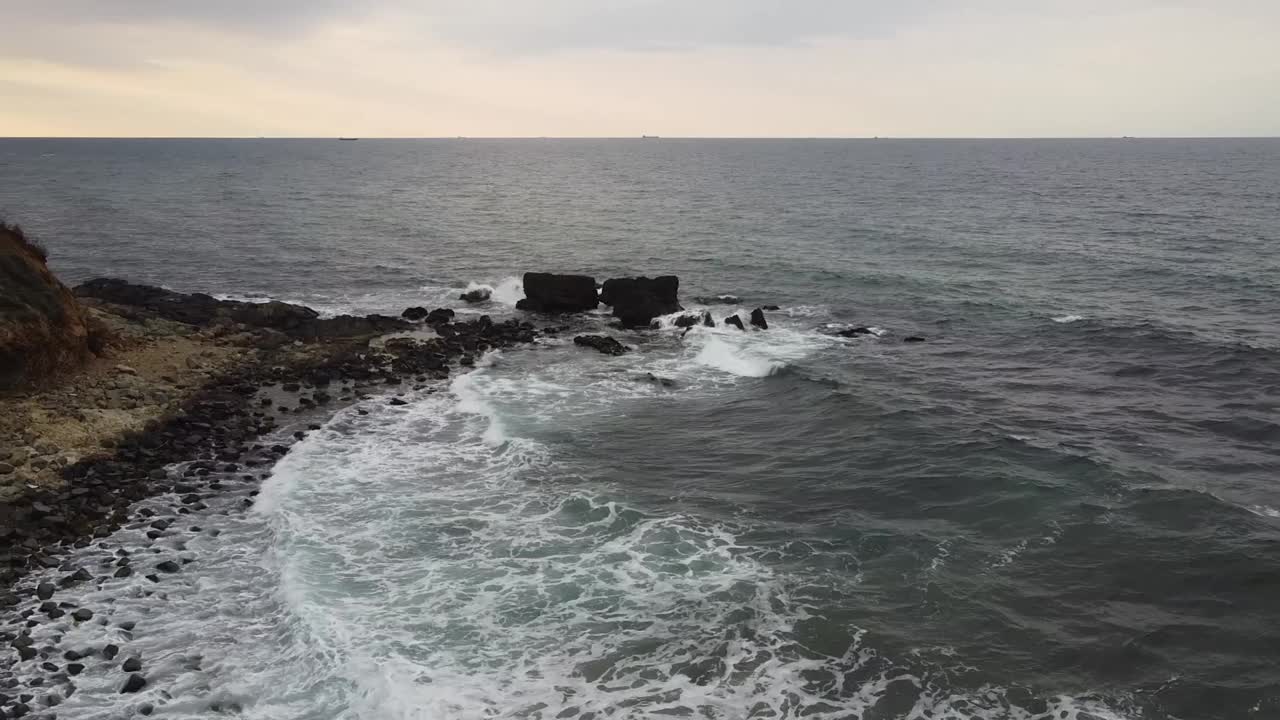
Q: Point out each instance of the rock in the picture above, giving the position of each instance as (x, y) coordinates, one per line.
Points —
(414, 313)
(735, 321)
(133, 664)
(854, 332)
(658, 380)
(74, 669)
(757, 319)
(549, 293)
(637, 301)
(168, 566)
(439, 316)
(26, 653)
(913, 339)
(126, 370)
(685, 321)
(110, 651)
(5, 468)
(45, 590)
(707, 320)
(43, 328)
(602, 343)
(717, 300)
(475, 296)
(397, 402)
(133, 684)
(82, 615)
(771, 308)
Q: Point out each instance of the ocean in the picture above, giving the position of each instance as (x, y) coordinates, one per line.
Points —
(1064, 504)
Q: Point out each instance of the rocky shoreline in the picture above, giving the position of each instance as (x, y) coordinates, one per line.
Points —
(182, 405)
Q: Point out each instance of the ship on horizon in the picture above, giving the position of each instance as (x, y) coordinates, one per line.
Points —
(348, 139)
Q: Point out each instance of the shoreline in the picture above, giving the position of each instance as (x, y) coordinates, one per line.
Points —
(193, 408)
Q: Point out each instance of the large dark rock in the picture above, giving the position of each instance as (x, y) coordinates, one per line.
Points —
(549, 293)
(475, 296)
(757, 319)
(735, 321)
(414, 313)
(637, 301)
(200, 309)
(133, 684)
(602, 343)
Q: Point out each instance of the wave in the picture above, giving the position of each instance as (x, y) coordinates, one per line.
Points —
(1068, 318)
(508, 291)
(721, 355)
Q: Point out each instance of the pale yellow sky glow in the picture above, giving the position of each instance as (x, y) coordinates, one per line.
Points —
(400, 68)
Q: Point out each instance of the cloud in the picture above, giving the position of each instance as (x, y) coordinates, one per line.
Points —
(569, 67)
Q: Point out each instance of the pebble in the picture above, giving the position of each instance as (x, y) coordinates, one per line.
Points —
(134, 684)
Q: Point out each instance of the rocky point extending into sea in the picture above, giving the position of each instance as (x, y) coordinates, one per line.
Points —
(115, 392)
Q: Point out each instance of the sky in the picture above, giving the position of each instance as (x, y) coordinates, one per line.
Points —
(622, 68)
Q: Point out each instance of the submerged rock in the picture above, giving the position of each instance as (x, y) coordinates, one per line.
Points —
(602, 343)
(735, 321)
(757, 319)
(550, 293)
(913, 339)
(475, 296)
(854, 332)
(686, 321)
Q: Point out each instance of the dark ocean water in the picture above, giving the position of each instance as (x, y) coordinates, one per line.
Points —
(1065, 504)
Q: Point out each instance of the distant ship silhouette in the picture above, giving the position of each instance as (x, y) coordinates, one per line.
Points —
(349, 139)
(648, 137)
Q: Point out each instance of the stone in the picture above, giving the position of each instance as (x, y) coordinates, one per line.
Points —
(133, 664)
(854, 332)
(74, 668)
(601, 343)
(133, 684)
(168, 566)
(475, 296)
(551, 293)
(397, 401)
(45, 590)
(126, 370)
(414, 313)
(735, 321)
(637, 301)
(110, 651)
(913, 339)
(82, 615)
(757, 319)
(6, 468)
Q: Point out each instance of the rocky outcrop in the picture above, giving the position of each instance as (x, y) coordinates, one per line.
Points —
(637, 301)
(549, 293)
(475, 296)
(43, 329)
(601, 343)
(201, 310)
(717, 299)
(415, 313)
(757, 319)
(734, 321)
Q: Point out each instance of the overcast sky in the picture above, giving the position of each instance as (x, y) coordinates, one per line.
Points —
(429, 68)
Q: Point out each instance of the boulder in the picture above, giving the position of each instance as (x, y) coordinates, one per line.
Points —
(707, 320)
(602, 343)
(475, 296)
(439, 315)
(686, 321)
(771, 308)
(43, 328)
(415, 313)
(735, 321)
(854, 332)
(637, 301)
(913, 339)
(549, 293)
(717, 299)
(757, 319)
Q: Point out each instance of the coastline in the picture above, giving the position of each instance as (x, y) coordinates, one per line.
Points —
(192, 411)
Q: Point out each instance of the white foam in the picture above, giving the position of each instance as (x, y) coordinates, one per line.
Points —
(721, 355)
(508, 291)
(1068, 318)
